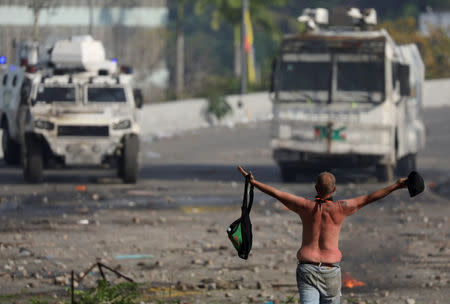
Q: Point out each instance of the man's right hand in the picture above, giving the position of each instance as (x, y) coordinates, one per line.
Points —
(244, 173)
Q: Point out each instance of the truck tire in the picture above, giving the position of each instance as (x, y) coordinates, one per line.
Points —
(11, 149)
(288, 173)
(406, 164)
(33, 164)
(385, 173)
(129, 161)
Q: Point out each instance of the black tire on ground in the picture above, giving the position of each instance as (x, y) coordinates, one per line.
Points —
(385, 173)
(130, 168)
(288, 172)
(406, 164)
(33, 164)
(11, 149)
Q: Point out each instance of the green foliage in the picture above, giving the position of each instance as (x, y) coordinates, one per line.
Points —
(218, 106)
(289, 300)
(434, 49)
(122, 293)
(212, 29)
(37, 301)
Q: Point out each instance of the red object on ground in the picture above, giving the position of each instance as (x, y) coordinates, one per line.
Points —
(80, 188)
(350, 282)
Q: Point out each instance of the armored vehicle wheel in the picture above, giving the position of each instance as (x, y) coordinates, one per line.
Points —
(33, 164)
(288, 172)
(406, 164)
(11, 149)
(129, 161)
(385, 173)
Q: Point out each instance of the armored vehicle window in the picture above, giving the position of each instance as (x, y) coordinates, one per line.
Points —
(14, 82)
(106, 95)
(361, 76)
(5, 79)
(313, 76)
(56, 94)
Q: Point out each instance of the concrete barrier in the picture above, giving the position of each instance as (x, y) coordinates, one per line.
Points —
(437, 93)
(172, 117)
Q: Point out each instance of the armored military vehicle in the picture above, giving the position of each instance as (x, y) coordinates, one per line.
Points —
(346, 95)
(75, 109)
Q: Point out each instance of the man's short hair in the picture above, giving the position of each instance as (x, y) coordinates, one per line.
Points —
(325, 183)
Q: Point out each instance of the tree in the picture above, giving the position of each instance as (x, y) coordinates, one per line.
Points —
(434, 48)
(180, 49)
(229, 11)
(37, 6)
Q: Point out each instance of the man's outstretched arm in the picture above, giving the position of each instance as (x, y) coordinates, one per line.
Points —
(350, 206)
(293, 202)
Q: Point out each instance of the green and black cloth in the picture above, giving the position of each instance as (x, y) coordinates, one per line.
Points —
(240, 231)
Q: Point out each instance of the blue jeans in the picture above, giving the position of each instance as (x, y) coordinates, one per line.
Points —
(319, 284)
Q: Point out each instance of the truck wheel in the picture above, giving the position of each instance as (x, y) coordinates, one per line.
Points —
(129, 161)
(33, 164)
(288, 173)
(11, 149)
(385, 173)
(406, 164)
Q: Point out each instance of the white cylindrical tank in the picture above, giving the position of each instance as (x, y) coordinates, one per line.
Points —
(78, 52)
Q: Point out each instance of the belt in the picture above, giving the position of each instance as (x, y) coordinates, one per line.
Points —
(337, 264)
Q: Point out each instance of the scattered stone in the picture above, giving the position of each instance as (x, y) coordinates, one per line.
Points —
(259, 285)
(60, 280)
(228, 295)
(212, 230)
(136, 220)
(212, 286)
(95, 197)
(410, 301)
(386, 294)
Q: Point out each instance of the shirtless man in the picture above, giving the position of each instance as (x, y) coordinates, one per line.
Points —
(318, 270)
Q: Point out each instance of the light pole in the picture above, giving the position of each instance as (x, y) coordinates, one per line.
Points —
(243, 52)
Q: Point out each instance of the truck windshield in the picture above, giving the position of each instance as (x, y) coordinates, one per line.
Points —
(360, 76)
(311, 76)
(55, 94)
(106, 95)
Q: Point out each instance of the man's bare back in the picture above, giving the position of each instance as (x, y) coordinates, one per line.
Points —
(322, 219)
(322, 222)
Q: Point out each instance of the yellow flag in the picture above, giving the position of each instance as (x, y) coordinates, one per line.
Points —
(249, 49)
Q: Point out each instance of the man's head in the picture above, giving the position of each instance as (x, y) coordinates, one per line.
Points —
(326, 184)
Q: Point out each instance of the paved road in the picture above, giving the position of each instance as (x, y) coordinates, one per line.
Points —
(193, 161)
(398, 244)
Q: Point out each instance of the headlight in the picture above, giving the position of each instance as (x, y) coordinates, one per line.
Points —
(123, 124)
(43, 124)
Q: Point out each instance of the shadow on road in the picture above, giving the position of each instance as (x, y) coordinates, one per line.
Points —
(174, 172)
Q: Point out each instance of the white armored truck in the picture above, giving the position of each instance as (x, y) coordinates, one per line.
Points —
(76, 109)
(347, 96)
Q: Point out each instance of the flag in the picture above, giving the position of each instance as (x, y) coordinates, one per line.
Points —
(249, 47)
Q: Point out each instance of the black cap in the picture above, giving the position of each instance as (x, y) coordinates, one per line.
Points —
(415, 184)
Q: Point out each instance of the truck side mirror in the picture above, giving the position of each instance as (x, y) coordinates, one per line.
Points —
(403, 76)
(138, 99)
